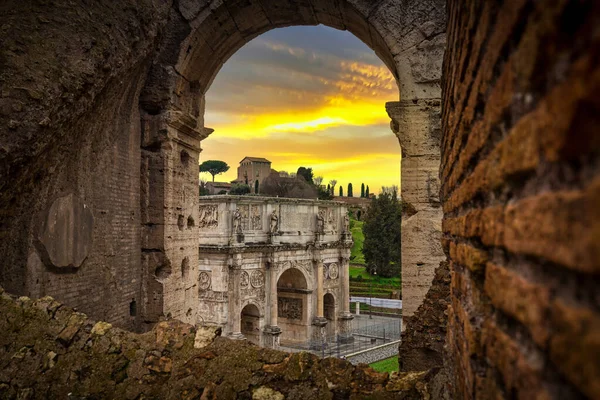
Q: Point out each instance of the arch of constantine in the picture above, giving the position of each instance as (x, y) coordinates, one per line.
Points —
(268, 266)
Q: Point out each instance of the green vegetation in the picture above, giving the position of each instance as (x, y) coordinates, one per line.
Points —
(387, 365)
(350, 190)
(381, 246)
(356, 254)
(306, 173)
(359, 277)
(239, 189)
(214, 167)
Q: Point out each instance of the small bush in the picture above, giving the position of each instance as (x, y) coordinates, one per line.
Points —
(239, 189)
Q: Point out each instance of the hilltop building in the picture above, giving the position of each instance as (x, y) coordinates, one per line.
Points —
(252, 171)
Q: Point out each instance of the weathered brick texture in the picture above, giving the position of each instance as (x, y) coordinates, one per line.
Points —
(521, 197)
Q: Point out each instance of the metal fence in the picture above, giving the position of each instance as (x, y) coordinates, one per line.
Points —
(366, 333)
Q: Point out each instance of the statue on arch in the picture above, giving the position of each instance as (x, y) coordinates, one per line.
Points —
(346, 223)
(237, 221)
(321, 221)
(274, 227)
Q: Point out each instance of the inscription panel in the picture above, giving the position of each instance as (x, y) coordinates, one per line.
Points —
(295, 218)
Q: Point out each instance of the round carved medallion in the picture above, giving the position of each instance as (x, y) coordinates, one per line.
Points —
(204, 281)
(333, 271)
(244, 280)
(257, 279)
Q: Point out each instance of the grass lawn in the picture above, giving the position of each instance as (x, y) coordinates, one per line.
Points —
(356, 254)
(387, 365)
(357, 270)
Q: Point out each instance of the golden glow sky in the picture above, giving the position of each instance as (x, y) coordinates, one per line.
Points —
(305, 96)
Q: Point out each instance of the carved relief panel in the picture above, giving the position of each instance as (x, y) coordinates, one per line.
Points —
(333, 271)
(328, 217)
(209, 217)
(289, 308)
(203, 281)
(245, 216)
(306, 265)
(255, 217)
(252, 284)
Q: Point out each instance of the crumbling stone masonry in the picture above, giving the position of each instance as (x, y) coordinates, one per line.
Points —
(424, 336)
(47, 350)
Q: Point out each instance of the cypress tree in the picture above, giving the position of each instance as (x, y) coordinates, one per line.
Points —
(350, 190)
(367, 192)
(341, 191)
(362, 190)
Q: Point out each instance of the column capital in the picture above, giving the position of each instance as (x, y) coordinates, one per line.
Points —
(417, 125)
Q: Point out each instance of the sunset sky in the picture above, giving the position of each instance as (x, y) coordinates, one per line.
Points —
(305, 96)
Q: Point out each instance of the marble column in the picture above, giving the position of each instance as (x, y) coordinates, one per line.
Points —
(319, 322)
(345, 317)
(320, 307)
(273, 296)
(416, 123)
(272, 332)
(235, 269)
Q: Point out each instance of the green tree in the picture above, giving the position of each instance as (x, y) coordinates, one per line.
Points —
(333, 182)
(214, 167)
(306, 173)
(256, 186)
(328, 188)
(323, 194)
(239, 189)
(349, 194)
(362, 190)
(341, 191)
(382, 229)
(367, 192)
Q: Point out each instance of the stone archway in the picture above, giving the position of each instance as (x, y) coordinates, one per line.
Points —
(120, 133)
(250, 323)
(409, 38)
(330, 314)
(293, 314)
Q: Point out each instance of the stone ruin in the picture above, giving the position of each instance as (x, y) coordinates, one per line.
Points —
(101, 123)
(275, 274)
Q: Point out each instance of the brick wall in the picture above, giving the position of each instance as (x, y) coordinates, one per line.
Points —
(521, 196)
(76, 133)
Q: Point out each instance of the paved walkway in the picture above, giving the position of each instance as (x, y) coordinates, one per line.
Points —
(377, 302)
(367, 332)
